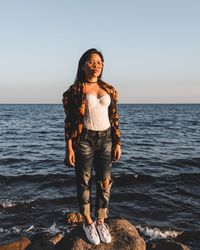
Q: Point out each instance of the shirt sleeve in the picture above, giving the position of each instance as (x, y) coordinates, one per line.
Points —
(115, 120)
(68, 104)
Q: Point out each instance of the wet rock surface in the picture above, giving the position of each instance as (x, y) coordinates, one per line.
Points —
(124, 237)
(20, 244)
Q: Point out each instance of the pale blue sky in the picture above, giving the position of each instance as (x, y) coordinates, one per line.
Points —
(151, 48)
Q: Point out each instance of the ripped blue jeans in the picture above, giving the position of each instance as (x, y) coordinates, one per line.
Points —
(94, 151)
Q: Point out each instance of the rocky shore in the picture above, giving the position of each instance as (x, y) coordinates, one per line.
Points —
(124, 237)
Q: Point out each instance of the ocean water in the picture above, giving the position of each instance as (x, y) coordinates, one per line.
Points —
(156, 182)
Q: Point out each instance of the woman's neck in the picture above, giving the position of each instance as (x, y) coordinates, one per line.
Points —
(92, 80)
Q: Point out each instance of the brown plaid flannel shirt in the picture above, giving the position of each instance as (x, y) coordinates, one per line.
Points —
(74, 106)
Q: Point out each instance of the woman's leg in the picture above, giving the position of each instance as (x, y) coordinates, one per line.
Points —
(105, 184)
(84, 165)
(102, 200)
(102, 166)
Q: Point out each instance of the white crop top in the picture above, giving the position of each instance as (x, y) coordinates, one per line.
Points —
(96, 117)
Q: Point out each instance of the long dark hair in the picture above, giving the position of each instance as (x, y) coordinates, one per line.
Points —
(80, 76)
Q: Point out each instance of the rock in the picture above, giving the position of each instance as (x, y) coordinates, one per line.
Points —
(41, 242)
(170, 245)
(150, 245)
(20, 244)
(56, 238)
(74, 218)
(166, 245)
(124, 236)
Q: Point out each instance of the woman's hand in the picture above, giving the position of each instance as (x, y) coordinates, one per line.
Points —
(70, 155)
(117, 152)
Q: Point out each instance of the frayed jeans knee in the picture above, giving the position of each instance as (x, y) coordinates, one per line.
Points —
(94, 151)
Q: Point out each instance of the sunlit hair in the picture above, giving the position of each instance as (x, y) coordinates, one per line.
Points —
(80, 76)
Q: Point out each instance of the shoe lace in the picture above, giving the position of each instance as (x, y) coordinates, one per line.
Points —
(104, 228)
(91, 231)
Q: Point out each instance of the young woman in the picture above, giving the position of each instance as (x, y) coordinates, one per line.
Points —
(92, 140)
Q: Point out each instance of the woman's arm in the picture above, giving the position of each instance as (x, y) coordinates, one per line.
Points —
(68, 104)
(115, 128)
(70, 154)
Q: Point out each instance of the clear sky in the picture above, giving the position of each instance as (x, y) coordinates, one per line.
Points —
(151, 48)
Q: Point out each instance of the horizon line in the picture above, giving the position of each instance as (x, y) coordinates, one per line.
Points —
(126, 103)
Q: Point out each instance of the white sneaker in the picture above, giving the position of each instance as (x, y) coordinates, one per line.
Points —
(91, 233)
(103, 231)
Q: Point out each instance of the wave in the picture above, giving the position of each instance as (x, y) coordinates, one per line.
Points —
(8, 161)
(20, 204)
(7, 204)
(192, 237)
(148, 232)
(53, 229)
(118, 178)
(41, 132)
(156, 233)
(189, 178)
(32, 230)
(32, 178)
(2, 230)
(190, 162)
(127, 179)
(192, 234)
(121, 179)
(13, 160)
(11, 203)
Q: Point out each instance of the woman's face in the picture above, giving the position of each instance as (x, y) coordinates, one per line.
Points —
(93, 66)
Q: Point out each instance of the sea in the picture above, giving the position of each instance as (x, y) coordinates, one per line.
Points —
(156, 182)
